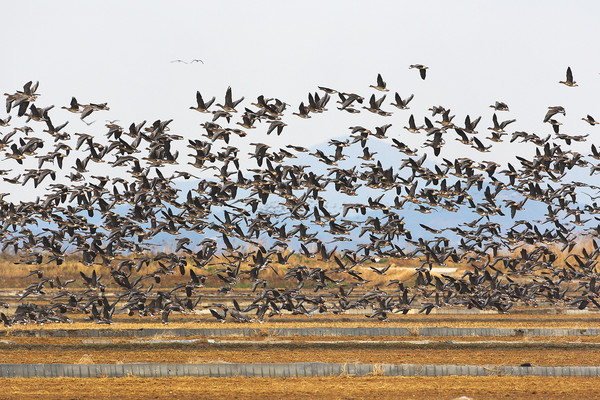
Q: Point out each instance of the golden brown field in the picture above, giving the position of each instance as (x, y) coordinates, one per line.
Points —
(267, 347)
(12, 272)
(539, 351)
(541, 354)
(202, 321)
(301, 388)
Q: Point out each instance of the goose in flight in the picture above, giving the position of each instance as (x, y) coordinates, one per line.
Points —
(422, 69)
(380, 84)
(569, 82)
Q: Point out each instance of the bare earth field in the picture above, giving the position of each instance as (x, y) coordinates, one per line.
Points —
(300, 388)
(381, 354)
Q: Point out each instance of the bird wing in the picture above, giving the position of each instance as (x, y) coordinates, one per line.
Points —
(228, 100)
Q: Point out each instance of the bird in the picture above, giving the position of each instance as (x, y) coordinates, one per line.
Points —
(327, 90)
(73, 107)
(276, 125)
(381, 271)
(303, 111)
(500, 106)
(412, 127)
(569, 82)
(202, 105)
(422, 69)
(402, 104)
(375, 104)
(381, 85)
(230, 104)
(103, 199)
(185, 62)
(499, 127)
(590, 120)
(87, 109)
(552, 111)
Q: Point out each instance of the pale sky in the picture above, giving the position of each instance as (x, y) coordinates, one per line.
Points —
(478, 52)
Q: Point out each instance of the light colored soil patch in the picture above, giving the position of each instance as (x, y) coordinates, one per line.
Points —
(299, 388)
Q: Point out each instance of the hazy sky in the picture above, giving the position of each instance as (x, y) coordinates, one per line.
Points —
(478, 52)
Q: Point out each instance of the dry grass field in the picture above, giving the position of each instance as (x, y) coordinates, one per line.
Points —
(540, 351)
(12, 272)
(374, 387)
(439, 352)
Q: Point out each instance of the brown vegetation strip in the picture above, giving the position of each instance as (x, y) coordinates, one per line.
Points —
(459, 321)
(298, 388)
(385, 354)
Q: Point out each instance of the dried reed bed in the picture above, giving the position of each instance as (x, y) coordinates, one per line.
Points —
(12, 270)
(581, 244)
(344, 387)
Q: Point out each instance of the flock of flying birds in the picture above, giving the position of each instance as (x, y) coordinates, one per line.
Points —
(110, 221)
